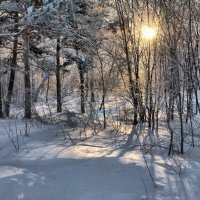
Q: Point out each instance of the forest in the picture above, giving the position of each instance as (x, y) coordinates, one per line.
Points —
(100, 99)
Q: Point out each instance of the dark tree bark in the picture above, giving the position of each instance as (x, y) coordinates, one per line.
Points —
(82, 89)
(27, 81)
(47, 91)
(12, 72)
(37, 4)
(58, 81)
(92, 90)
(1, 104)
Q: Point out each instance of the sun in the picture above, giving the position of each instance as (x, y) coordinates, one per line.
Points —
(148, 32)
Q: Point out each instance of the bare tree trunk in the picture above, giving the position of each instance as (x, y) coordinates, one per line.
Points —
(58, 81)
(1, 103)
(82, 88)
(12, 72)
(92, 90)
(27, 74)
(180, 110)
(47, 91)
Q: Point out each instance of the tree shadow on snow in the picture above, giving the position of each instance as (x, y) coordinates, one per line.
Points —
(72, 179)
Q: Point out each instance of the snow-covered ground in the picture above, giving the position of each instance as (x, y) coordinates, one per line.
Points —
(49, 168)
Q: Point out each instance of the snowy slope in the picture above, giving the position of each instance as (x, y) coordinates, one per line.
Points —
(97, 169)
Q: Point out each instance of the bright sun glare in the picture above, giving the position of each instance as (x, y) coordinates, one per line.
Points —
(148, 32)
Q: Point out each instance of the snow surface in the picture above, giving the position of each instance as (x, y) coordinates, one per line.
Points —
(49, 168)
